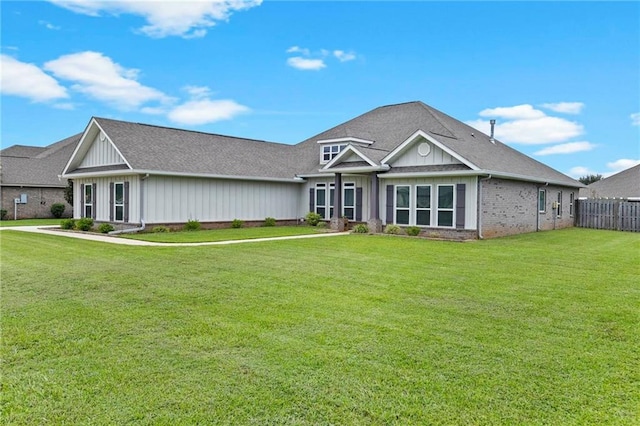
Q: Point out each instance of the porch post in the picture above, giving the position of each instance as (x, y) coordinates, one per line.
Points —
(374, 223)
(337, 221)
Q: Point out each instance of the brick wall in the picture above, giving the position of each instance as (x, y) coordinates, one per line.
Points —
(511, 207)
(39, 201)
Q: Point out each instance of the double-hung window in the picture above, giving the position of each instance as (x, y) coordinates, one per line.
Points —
(542, 201)
(403, 204)
(349, 201)
(571, 202)
(559, 205)
(445, 205)
(88, 200)
(423, 205)
(324, 199)
(118, 201)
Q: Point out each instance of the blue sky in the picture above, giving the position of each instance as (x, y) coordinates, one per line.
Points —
(562, 79)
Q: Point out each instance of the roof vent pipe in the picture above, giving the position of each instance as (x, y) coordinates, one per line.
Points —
(493, 126)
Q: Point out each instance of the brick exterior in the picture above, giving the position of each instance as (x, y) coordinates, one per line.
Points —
(39, 201)
(511, 207)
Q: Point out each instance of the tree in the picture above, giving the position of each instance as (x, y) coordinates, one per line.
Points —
(68, 192)
(589, 179)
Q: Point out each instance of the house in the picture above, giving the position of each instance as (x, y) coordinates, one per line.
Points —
(406, 164)
(30, 178)
(623, 185)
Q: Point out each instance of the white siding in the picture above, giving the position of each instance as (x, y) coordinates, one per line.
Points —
(361, 181)
(102, 196)
(177, 199)
(101, 153)
(411, 156)
(471, 194)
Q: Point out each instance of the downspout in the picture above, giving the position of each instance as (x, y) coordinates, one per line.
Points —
(142, 224)
(480, 237)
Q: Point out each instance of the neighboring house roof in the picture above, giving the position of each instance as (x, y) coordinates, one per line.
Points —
(385, 131)
(625, 184)
(148, 148)
(36, 166)
(389, 126)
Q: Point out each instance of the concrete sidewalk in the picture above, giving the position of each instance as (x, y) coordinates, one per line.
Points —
(55, 230)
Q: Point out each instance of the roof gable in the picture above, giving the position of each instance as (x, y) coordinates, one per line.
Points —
(423, 149)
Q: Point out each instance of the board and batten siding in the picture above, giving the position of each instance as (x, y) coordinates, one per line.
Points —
(102, 204)
(411, 156)
(470, 211)
(171, 199)
(101, 153)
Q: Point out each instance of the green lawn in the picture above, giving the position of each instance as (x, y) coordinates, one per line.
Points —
(225, 234)
(29, 222)
(368, 330)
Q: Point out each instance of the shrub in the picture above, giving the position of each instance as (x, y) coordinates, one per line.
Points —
(68, 224)
(269, 221)
(84, 224)
(192, 225)
(313, 218)
(3, 214)
(360, 228)
(237, 223)
(321, 225)
(160, 229)
(57, 209)
(105, 228)
(392, 229)
(412, 230)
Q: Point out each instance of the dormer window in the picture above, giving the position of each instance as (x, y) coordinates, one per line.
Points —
(330, 148)
(329, 152)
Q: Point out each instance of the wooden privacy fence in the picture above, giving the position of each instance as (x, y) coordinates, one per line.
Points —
(617, 215)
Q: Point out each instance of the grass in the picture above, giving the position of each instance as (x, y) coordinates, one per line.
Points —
(534, 329)
(225, 234)
(29, 222)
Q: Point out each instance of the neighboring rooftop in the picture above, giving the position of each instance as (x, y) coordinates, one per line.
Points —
(625, 184)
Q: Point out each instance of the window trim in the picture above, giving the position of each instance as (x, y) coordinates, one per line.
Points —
(115, 202)
(452, 209)
(543, 193)
(88, 188)
(395, 205)
(429, 209)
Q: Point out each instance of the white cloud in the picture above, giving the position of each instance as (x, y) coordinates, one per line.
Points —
(28, 81)
(187, 19)
(344, 56)
(68, 106)
(99, 77)
(565, 107)
(622, 164)
(301, 63)
(49, 25)
(579, 171)
(537, 131)
(297, 49)
(523, 112)
(204, 111)
(197, 92)
(635, 119)
(567, 148)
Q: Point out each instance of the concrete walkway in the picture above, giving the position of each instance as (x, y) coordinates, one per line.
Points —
(55, 230)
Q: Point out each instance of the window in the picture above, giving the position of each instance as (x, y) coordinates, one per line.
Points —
(559, 205)
(403, 194)
(321, 199)
(88, 200)
(571, 201)
(445, 205)
(423, 205)
(349, 201)
(542, 201)
(330, 151)
(118, 201)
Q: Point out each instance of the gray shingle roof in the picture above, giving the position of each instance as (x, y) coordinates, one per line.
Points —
(389, 126)
(155, 148)
(624, 184)
(36, 166)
